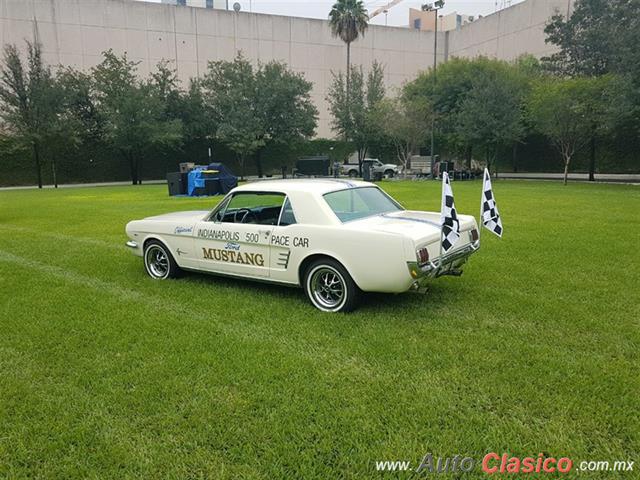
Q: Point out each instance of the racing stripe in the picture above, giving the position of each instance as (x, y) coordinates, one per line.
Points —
(409, 219)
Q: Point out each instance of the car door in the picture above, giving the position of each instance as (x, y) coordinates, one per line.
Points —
(236, 237)
(284, 243)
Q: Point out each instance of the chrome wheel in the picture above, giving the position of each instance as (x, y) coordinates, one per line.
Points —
(157, 261)
(327, 288)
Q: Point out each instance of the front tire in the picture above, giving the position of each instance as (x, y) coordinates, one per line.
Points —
(330, 287)
(158, 261)
(389, 174)
(353, 173)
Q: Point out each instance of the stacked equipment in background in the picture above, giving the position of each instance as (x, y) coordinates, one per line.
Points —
(177, 183)
(314, 166)
(192, 180)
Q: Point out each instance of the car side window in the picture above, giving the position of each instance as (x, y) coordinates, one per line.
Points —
(287, 217)
(252, 207)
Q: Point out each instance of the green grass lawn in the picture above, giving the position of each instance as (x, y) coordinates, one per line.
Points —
(105, 373)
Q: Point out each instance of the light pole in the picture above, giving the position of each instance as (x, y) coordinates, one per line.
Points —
(434, 7)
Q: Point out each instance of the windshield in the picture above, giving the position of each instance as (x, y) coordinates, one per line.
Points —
(355, 203)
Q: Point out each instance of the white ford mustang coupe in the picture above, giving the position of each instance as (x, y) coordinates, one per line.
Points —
(335, 238)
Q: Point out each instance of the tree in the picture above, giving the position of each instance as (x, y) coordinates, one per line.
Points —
(478, 102)
(164, 86)
(284, 105)
(568, 112)
(135, 120)
(164, 89)
(9, 147)
(406, 123)
(186, 106)
(353, 108)
(79, 108)
(585, 38)
(59, 134)
(230, 93)
(490, 114)
(446, 91)
(28, 100)
(255, 107)
(348, 20)
(197, 119)
(601, 37)
(78, 127)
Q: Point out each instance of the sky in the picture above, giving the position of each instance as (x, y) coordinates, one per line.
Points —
(397, 16)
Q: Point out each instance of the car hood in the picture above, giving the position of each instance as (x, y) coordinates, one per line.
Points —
(419, 226)
(190, 216)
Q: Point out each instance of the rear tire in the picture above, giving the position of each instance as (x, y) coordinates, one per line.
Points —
(330, 287)
(158, 261)
(353, 173)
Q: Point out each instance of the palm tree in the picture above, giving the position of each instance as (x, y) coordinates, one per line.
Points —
(348, 20)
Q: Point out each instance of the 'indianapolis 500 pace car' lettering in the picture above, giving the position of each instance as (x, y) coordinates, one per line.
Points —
(245, 258)
(285, 241)
(218, 235)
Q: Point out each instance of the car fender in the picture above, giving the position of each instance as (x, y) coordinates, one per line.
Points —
(376, 261)
(176, 236)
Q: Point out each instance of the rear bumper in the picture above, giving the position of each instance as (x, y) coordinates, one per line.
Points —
(449, 264)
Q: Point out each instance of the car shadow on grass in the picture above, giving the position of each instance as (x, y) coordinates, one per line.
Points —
(380, 305)
(255, 288)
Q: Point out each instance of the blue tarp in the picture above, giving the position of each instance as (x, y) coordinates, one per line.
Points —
(195, 180)
(218, 173)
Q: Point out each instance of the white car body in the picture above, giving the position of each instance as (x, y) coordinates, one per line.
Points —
(380, 252)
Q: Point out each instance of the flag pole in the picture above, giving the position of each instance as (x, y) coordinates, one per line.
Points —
(441, 220)
(484, 174)
(440, 259)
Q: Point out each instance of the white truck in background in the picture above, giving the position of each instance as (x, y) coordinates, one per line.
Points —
(388, 170)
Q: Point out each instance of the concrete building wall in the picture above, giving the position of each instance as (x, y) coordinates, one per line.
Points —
(76, 32)
(508, 33)
(200, 3)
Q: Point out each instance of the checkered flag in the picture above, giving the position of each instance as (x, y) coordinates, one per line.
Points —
(489, 210)
(448, 216)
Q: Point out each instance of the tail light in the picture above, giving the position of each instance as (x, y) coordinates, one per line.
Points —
(422, 256)
(474, 235)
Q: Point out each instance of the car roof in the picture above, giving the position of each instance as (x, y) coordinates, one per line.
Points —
(311, 185)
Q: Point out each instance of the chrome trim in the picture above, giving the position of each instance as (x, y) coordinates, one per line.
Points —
(327, 288)
(238, 276)
(446, 265)
(284, 202)
(157, 262)
(132, 244)
(220, 206)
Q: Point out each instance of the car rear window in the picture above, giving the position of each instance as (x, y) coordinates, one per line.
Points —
(354, 203)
